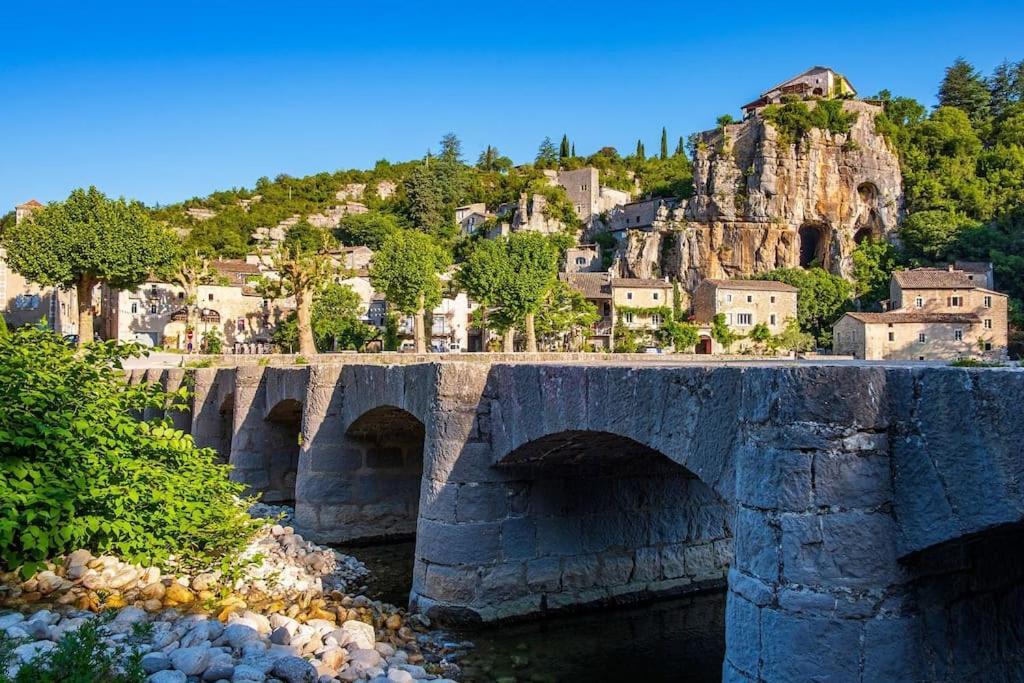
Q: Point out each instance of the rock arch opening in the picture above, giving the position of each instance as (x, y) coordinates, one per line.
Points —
(384, 453)
(596, 517)
(812, 245)
(225, 427)
(282, 445)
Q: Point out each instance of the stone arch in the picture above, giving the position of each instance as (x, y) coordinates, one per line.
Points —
(225, 426)
(868, 193)
(813, 244)
(282, 443)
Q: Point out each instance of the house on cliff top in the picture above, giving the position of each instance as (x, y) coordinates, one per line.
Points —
(818, 81)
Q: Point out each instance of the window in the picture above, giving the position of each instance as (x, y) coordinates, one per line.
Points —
(772, 299)
(956, 301)
(629, 296)
(580, 261)
(152, 309)
(750, 299)
(744, 319)
(988, 323)
(771, 319)
(892, 336)
(921, 338)
(958, 335)
(654, 296)
(240, 325)
(210, 296)
(181, 295)
(656, 319)
(728, 298)
(729, 318)
(583, 188)
(919, 302)
(135, 307)
(628, 317)
(988, 301)
(988, 346)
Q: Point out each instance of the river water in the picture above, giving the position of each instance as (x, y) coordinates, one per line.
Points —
(678, 639)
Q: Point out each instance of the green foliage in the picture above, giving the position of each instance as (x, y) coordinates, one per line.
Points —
(821, 301)
(336, 323)
(406, 270)
(626, 339)
(564, 317)
(547, 154)
(873, 263)
(681, 335)
(976, 363)
(81, 656)
(391, 338)
(792, 338)
(607, 242)
(794, 119)
(213, 341)
(286, 333)
(964, 88)
(366, 229)
(77, 470)
(722, 333)
(563, 149)
(664, 144)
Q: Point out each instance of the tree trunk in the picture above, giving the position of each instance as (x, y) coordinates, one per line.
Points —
(510, 340)
(307, 347)
(83, 289)
(531, 335)
(419, 332)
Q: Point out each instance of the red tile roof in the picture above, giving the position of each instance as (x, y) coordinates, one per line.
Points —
(756, 285)
(914, 317)
(933, 278)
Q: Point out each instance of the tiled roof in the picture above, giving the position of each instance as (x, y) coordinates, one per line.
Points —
(914, 317)
(30, 203)
(590, 285)
(235, 266)
(756, 285)
(641, 283)
(933, 278)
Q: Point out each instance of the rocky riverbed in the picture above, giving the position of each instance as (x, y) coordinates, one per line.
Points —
(290, 611)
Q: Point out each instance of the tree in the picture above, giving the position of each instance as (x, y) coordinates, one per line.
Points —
(482, 275)
(664, 143)
(680, 147)
(821, 301)
(572, 151)
(1006, 86)
(336, 323)
(641, 154)
(303, 267)
(406, 269)
(192, 269)
(368, 229)
(722, 333)
(87, 240)
(564, 316)
(451, 149)
(563, 149)
(964, 88)
(792, 338)
(682, 335)
(547, 154)
(873, 263)
(760, 335)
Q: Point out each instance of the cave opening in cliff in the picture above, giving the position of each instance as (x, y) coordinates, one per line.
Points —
(862, 235)
(812, 243)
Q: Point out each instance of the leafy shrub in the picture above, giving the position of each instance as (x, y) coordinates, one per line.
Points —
(976, 363)
(77, 470)
(81, 656)
(794, 120)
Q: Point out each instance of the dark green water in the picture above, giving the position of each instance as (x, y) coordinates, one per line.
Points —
(678, 639)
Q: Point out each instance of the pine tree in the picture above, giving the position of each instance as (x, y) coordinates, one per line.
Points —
(664, 143)
(563, 149)
(964, 88)
(547, 153)
(680, 147)
(640, 153)
(572, 152)
(1006, 86)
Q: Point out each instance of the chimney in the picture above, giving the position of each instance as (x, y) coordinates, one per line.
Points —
(950, 267)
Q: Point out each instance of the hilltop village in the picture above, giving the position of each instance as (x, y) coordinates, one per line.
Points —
(708, 250)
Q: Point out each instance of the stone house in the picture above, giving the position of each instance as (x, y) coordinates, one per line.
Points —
(583, 258)
(26, 303)
(469, 218)
(588, 196)
(744, 303)
(641, 304)
(818, 81)
(597, 289)
(932, 314)
(649, 215)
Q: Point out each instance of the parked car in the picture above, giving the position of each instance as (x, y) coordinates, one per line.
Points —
(72, 339)
(407, 346)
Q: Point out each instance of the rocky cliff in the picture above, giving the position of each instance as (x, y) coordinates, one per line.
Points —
(761, 203)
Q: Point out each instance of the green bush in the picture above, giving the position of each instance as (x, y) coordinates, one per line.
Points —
(81, 656)
(78, 470)
(976, 363)
(794, 119)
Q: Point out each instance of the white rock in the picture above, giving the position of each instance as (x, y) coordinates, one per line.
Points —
(362, 635)
(155, 661)
(191, 661)
(167, 676)
(399, 676)
(11, 619)
(29, 651)
(245, 672)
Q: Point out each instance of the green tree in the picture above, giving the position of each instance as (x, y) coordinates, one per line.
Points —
(191, 270)
(680, 147)
(483, 274)
(547, 154)
(303, 267)
(641, 154)
(722, 333)
(664, 143)
(451, 149)
(821, 301)
(964, 88)
(792, 338)
(682, 335)
(564, 317)
(1006, 86)
(87, 240)
(406, 269)
(369, 229)
(426, 196)
(873, 263)
(336, 323)
(572, 151)
(761, 336)
(563, 149)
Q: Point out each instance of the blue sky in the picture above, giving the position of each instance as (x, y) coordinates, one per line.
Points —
(164, 101)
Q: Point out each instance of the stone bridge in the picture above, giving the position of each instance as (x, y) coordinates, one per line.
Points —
(868, 521)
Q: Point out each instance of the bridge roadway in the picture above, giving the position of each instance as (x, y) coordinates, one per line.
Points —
(866, 518)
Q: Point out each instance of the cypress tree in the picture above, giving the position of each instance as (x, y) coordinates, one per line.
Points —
(563, 149)
(572, 152)
(664, 143)
(680, 148)
(640, 154)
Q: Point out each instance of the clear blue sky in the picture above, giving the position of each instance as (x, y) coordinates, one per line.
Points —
(164, 101)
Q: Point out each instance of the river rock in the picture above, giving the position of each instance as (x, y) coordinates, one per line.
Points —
(244, 673)
(7, 620)
(155, 661)
(179, 594)
(191, 661)
(29, 651)
(399, 676)
(238, 635)
(295, 670)
(167, 676)
(280, 636)
(361, 635)
(153, 591)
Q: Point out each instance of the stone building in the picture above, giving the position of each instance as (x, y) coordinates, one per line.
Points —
(588, 197)
(744, 303)
(597, 289)
(933, 314)
(26, 303)
(640, 305)
(469, 218)
(646, 214)
(583, 258)
(816, 82)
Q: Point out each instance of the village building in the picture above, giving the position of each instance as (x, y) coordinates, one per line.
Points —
(27, 303)
(649, 215)
(583, 258)
(637, 305)
(816, 82)
(932, 314)
(744, 304)
(471, 217)
(597, 289)
(589, 198)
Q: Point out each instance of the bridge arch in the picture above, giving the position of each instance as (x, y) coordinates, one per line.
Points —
(281, 442)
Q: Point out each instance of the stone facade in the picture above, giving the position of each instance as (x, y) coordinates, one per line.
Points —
(862, 512)
(760, 204)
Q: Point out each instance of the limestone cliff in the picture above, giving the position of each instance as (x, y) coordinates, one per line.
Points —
(760, 204)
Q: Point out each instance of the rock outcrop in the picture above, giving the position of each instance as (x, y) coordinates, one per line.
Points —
(761, 203)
